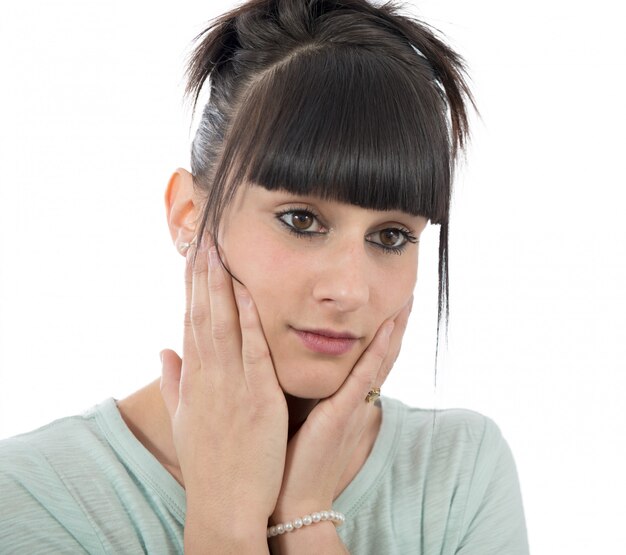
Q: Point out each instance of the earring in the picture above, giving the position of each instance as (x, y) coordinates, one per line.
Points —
(182, 247)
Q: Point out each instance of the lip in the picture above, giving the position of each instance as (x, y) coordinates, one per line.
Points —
(320, 341)
(331, 333)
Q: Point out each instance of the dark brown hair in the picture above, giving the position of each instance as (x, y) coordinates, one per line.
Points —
(340, 99)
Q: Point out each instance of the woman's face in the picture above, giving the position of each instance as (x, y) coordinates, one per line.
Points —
(336, 277)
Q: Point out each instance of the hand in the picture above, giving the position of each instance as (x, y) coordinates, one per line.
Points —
(319, 453)
(229, 414)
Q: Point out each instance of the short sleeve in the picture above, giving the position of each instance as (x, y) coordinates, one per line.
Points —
(494, 519)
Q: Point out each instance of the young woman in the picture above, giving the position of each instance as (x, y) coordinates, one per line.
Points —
(325, 148)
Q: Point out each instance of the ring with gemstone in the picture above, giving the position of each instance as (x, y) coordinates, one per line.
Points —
(372, 395)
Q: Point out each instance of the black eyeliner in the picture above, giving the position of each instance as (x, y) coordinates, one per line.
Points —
(406, 233)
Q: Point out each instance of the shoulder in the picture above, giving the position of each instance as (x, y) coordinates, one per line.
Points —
(462, 445)
(47, 446)
(468, 473)
(85, 483)
(457, 432)
(50, 448)
(38, 471)
(477, 449)
(468, 432)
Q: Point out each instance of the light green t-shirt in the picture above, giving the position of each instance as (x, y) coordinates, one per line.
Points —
(86, 484)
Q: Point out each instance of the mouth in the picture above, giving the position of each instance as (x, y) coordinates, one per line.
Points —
(326, 342)
(332, 334)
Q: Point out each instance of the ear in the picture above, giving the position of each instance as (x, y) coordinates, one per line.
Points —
(182, 208)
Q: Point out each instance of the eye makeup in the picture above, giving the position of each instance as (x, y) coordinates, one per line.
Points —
(284, 215)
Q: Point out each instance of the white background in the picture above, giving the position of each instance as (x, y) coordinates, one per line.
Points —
(92, 125)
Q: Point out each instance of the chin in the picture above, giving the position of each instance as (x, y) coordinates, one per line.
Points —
(309, 385)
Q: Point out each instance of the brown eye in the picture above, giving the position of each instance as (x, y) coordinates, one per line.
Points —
(389, 237)
(392, 240)
(301, 220)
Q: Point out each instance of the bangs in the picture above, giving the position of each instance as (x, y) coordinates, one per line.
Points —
(345, 124)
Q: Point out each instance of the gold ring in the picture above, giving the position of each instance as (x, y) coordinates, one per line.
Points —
(372, 395)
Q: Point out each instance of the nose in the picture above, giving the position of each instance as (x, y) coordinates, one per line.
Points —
(341, 279)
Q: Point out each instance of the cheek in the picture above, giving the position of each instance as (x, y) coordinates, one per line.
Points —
(273, 276)
(394, 287)
(279, 280)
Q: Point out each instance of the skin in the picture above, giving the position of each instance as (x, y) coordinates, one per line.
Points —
(337, 281)
(279, 413)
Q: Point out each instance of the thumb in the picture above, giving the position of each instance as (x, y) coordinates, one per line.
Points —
(171, 366)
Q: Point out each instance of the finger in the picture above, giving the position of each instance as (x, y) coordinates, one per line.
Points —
(356, 386)
(225, 329)
(257, 362)
(395, 342)
(171, 367)
(200, 310)
(190, 353)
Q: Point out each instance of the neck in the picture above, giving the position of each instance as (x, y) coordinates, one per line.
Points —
(299, 409)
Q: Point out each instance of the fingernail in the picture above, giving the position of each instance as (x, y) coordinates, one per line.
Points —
(213, 260)
(389, 328)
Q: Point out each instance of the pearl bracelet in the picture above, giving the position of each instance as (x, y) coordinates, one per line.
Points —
(335, 516)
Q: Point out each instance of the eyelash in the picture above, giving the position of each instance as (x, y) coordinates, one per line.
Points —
(409, 237)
